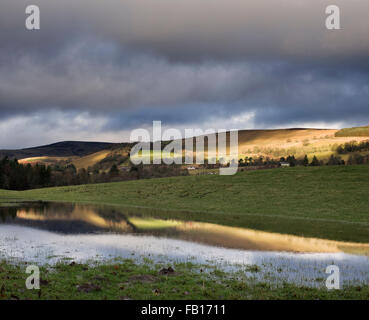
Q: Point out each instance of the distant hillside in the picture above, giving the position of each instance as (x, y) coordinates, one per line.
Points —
(274, 143)
(104, 159)
(353, 132)
(60, 149)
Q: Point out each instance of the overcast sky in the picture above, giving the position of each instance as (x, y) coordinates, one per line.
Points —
(98, 69)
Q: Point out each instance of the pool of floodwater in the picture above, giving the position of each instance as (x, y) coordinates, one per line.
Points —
(82, 219)
(48, 232)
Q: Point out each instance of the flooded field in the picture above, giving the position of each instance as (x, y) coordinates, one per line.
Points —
(50, 232)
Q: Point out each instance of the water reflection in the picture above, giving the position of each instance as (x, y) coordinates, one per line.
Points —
(77, 219)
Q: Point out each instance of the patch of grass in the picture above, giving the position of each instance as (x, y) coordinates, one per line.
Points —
(328, 202)
(252, 268)
(127, 280)
(353, 132)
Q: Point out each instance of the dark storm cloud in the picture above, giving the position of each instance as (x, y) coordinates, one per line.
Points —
(185, 61)
(195, 30)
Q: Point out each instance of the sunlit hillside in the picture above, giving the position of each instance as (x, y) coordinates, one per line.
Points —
(273, 143)
(46, 160)
(104, 159)
(283, 142)
(298, 142)
(90, 160)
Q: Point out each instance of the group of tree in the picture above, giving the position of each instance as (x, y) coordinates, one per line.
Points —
(268, 162)
(358, 158)
(257, 161)
(16, 176)
(353, 146)
(293, 161)
(69, 175)
(332, 161)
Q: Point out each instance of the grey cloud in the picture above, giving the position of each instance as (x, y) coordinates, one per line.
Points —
(86, 79)
(104, 78)
(192, 29)
(185, 61)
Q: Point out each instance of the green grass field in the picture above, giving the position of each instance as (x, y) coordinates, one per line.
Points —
(325, 202)
(126, 280)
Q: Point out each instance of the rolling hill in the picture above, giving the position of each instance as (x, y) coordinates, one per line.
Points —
(273, 143)
(276, 143)
(59, 149)
(353, 132)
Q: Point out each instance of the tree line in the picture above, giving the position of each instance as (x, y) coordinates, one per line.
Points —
(293, 161)
(18, 176)
(353, 146)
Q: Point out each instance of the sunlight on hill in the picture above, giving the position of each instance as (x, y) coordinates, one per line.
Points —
(91, 159)
(43, 160)
(284, 142)
(275, 143)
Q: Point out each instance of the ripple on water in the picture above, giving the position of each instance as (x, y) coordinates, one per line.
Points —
(43, 247)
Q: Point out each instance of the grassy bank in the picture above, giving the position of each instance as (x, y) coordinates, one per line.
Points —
(353, 132)
(127, 280)
(326, 202)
